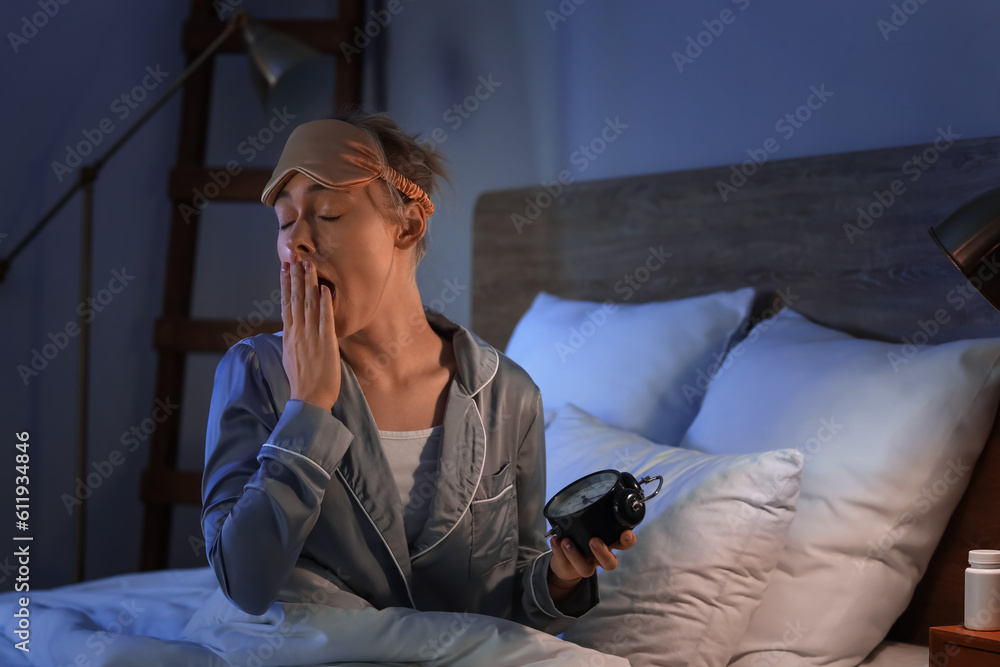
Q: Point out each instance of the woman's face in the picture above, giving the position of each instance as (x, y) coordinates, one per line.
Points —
(346, 238)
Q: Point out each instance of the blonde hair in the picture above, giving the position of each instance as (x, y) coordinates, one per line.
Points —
(406, 154)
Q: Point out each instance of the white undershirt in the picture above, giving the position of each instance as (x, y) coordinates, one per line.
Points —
(413, 459)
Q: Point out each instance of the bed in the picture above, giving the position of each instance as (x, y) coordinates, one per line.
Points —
(826, 236)
(565, 275)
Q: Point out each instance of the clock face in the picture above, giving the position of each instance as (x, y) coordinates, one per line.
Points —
(582, 493)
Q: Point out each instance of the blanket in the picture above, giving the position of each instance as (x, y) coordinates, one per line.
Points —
(181, 618)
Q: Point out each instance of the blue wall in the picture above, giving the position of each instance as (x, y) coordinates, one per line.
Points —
(554, 80)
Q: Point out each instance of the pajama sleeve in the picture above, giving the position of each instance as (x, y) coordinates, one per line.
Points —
(265, 477)
(534, 605)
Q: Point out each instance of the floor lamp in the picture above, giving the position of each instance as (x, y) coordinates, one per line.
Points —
(283, 69)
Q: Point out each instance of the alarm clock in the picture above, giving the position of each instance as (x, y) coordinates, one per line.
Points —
(602, 504)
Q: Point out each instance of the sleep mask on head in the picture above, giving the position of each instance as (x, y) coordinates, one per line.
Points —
(339, 156)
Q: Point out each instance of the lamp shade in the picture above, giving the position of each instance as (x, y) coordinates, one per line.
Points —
(288, 73)
(971, 238)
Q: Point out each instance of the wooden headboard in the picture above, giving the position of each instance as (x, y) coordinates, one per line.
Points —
(792, 226)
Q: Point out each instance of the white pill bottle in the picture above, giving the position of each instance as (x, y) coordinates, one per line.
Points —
(982, 590)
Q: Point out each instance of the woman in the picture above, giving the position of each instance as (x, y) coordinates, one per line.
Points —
(375, 444)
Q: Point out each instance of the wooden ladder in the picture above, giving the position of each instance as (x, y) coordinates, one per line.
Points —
(176, 334)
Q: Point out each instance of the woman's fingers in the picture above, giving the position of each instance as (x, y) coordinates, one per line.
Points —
(298, 294)
(560, 563)
(565, 552)
(310, 350)
(310, 302)
(581, 565)
(625, 542)
(327, 326)
(286, 296)
(602, 553)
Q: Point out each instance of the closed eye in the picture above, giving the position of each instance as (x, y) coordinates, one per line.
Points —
(283, 226)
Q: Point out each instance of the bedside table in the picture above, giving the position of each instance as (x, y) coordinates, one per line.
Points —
(954, 646)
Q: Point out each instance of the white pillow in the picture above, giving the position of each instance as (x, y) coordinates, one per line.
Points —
(637, 366)
(890, 433)
(683, 595)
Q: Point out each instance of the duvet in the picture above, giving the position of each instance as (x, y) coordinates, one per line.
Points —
(180, 618)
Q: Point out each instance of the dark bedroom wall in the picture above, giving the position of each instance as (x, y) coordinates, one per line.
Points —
(534, 80)
(568, 66)
(60, 84)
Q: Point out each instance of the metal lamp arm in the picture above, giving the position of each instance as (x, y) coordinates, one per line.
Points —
(88, 173)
